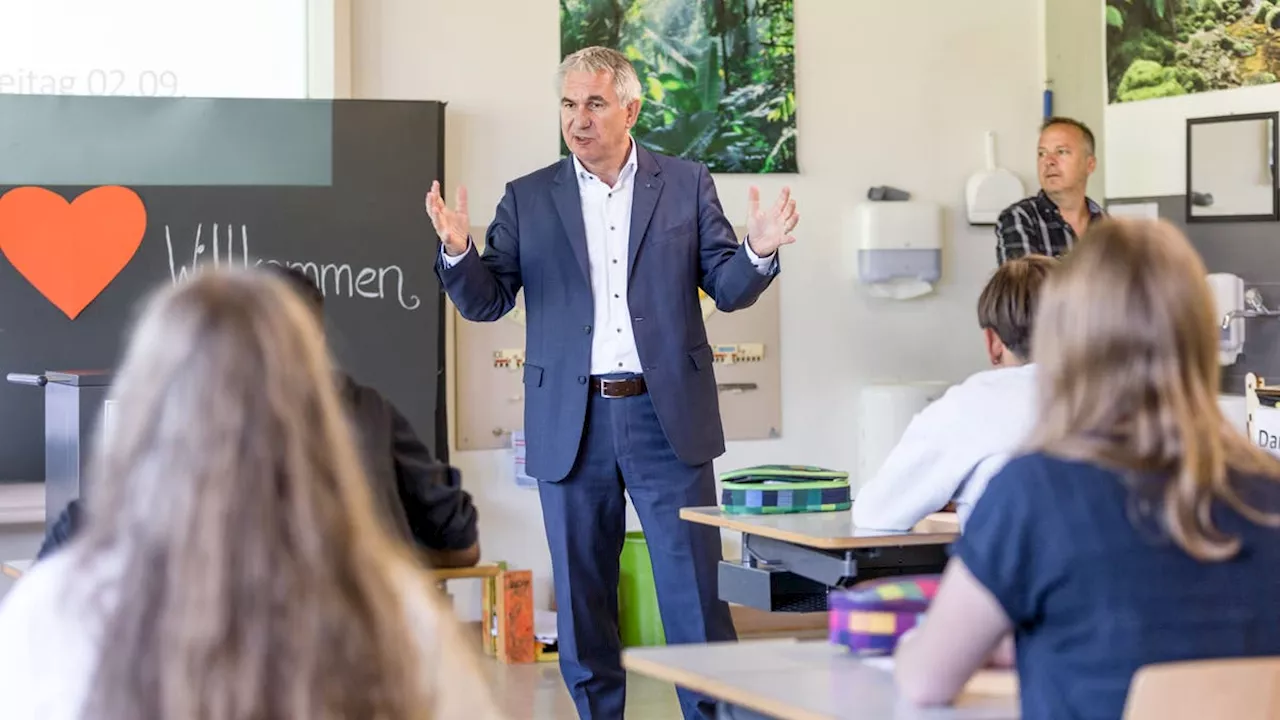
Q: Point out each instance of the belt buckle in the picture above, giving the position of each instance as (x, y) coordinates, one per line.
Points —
(604, 388)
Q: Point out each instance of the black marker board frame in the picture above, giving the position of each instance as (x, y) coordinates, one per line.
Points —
(334, 187)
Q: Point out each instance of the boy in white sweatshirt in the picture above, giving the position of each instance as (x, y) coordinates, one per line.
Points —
(957, 443)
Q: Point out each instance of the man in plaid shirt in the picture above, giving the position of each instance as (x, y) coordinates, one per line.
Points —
(1050, 222)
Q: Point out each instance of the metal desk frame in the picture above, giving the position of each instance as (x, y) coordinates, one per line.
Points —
(779, 575)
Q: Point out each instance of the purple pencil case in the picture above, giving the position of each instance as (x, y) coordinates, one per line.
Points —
(870, 617)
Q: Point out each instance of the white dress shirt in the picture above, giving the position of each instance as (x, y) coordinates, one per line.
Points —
(950, 450)
(606, 217)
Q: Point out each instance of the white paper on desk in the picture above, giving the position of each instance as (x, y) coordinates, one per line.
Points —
(986, 681)
(1142, 211)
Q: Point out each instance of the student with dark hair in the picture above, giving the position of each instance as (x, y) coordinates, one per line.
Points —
(420, 498)
(956, 443)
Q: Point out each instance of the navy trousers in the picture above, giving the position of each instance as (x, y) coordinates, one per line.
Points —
(624, 448)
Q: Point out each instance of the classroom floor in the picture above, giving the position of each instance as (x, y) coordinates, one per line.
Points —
(537, 692)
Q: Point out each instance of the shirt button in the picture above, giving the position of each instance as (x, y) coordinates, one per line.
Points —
(582, 379)
(615, 295)
(612, 227)
(615, 262)
(619, 329)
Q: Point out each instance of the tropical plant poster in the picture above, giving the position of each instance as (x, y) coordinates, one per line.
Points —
(1163, 48)
(718, 75)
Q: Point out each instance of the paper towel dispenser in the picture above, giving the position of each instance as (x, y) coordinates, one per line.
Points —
(899, 247)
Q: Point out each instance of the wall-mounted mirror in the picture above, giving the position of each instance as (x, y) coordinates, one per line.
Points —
(1231, 168)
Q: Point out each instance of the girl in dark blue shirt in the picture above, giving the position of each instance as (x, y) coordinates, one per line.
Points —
(1139, 527)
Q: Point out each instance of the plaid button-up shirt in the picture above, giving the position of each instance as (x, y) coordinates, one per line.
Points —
(1034, 226)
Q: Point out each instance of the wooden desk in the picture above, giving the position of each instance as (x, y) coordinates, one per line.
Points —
(940, 522)
(823, 530)
(487, 570)
(810, 680)
(790, 561)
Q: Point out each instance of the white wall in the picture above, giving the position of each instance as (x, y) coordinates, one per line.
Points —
(18, 541)
(21, 524)
(1147, 141)
(886, 94)
(1075, 62)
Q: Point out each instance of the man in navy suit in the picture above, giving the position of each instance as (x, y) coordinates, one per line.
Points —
(611, 246)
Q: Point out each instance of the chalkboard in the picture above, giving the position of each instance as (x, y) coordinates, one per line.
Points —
(334, 187)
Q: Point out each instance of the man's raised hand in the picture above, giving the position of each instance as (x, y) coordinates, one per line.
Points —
(452, 226)
(768, 230)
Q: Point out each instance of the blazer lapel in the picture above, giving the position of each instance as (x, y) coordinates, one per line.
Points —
(569, 206)
(648, 186)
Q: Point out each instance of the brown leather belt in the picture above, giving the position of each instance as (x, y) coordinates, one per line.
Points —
(619, 388)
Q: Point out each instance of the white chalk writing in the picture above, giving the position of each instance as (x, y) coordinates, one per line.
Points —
(334, 279)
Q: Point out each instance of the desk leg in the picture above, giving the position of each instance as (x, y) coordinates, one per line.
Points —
(748, 559)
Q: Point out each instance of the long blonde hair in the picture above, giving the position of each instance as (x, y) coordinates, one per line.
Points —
(251, 577)
(1126, 339)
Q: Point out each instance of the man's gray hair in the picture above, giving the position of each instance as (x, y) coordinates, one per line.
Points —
(602, 59)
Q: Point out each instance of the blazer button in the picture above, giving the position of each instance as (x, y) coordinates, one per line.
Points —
(586, 329)
(582, 379)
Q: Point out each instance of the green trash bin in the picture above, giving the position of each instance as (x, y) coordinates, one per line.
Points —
(638, 618)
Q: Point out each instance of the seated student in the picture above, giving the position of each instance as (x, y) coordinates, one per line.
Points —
(232, 563)
(420, 495)
(416, 494)
(953, 446)
(1141, 527)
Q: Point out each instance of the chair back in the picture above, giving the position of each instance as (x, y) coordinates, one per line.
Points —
(1236, 688)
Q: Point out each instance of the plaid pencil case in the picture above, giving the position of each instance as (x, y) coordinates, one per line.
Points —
(871, 617)
(774, 489)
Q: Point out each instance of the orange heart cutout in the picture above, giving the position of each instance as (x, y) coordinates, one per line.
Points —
(70, 252)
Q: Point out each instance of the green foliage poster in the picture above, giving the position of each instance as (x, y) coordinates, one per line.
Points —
(1162, 48)
(718, 75)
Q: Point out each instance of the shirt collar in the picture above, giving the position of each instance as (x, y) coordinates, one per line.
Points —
(628, 167)
(1095, 210)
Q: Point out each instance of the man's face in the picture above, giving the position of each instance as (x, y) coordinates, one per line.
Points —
(594, 124)
(1065, 162)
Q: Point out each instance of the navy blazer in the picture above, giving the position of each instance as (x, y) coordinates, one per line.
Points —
(680, 241)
